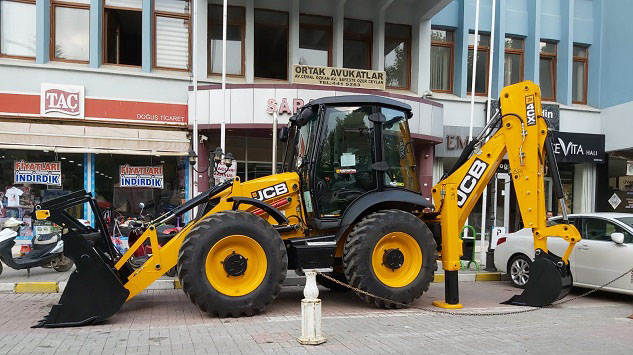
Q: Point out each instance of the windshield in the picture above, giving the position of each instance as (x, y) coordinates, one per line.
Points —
(626, 220)
(298, 145)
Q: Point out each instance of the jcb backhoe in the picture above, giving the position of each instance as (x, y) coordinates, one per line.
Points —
(348, 200)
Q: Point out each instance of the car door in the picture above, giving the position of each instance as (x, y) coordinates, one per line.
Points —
(598, 259)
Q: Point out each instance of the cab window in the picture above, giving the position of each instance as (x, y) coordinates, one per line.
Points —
(343, 171)
(398, 151)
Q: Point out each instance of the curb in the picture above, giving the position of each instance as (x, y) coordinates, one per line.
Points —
(58, 287)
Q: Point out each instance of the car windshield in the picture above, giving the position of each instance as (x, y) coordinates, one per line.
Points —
(626, 220)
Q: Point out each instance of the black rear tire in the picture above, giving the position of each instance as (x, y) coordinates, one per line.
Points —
(64, 264)
(197, 245)
(360, 244)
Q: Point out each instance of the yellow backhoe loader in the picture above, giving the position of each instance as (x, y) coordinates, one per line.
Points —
(348, 200)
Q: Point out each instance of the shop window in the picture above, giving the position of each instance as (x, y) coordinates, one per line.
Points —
(513, 61)
(271, 44)
(483, 50)
(123, 32)
(29, 177)
(398, 55)
(315, 40)
(234, 40)
(70, 30)
(171, 34)
(160, 191)
(357, 44)
(17, 28)
(547, 71)
(442, 60)
(579, 75)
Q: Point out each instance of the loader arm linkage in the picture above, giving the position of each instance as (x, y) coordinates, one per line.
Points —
(523, 135)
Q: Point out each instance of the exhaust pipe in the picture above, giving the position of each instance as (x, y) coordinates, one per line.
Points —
(550, 280)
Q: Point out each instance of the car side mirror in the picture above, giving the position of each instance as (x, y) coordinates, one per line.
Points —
(617, 238)
(283, 134)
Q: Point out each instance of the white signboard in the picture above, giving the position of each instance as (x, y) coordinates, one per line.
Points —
(45, 173)
(223, 173)
(496, 233)
(141, 176)
(62, 101)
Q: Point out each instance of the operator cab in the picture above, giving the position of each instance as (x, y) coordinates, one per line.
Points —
(348, 146)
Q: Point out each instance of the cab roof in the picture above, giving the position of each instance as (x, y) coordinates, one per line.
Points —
(360, 99)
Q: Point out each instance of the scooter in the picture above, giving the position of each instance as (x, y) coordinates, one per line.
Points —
(46, 251)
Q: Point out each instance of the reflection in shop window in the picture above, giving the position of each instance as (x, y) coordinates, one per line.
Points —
(17, 28)
(357, 43)
(171, 40)
(483, 48)
(124, 195)
(234, 40)
(397, 55)
(547, 71)
(41, 176)
(271, 44)
(71, 30)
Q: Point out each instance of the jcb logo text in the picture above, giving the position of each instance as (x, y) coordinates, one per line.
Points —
(469, 182)
(270, 192)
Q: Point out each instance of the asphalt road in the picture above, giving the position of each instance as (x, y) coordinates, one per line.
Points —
(165, 321)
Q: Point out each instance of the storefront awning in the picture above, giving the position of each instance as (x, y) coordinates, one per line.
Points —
(93, 139)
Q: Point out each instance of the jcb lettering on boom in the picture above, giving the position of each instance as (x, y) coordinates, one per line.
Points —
(530, 110)
(469, 182)
(270, 192)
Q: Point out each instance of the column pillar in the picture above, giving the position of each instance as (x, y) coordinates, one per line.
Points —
(96, 24)
(201, 24)
(203, 166)
(293, 44)
(378, 55)
(533, 42)
(460, 61)
(421, 57)
(89, 184)
(498, 57)
(147, 38)
(42, 31)
(424, 153)
(564, 55)
(249, 41)
(337, 34)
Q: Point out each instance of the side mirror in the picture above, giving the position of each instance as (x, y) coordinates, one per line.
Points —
(304, 116)
(283, 134)
(617, 238)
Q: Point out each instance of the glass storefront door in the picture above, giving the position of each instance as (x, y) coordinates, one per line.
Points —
(501, 200)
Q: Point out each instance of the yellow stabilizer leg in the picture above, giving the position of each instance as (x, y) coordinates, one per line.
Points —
(442, 304)
(451, 291)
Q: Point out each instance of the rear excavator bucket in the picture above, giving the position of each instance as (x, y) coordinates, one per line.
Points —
(550, 280)
(93, 293)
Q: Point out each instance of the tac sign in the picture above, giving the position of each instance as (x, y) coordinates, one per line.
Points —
(45, 173)
(223, 173)
(64, 101)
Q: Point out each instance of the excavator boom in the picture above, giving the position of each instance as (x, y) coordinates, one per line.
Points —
(522, 134)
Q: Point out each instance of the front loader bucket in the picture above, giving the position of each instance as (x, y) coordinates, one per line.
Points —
(93, 293)
(547, 283)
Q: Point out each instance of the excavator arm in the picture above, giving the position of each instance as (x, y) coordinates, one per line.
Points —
(522, 134)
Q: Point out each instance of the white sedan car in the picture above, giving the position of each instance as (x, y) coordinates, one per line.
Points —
(604, 253)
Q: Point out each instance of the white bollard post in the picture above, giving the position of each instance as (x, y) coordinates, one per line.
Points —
(311, 312)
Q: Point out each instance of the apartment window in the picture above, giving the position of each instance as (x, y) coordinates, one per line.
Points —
(547, 71)
(315, 40)
(442, 60)
(513, 61)
(70, 30)
(579, 78)
(357, 44)
(483, 50)
(122, 32)
(234, 40)
(398, 55)
(171, 34)
(17, 28)
(271, 44)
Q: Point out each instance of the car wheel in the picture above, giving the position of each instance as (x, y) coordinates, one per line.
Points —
(519, 270)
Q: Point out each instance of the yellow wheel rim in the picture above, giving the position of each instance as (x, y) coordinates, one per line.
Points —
(405, 274)
(252, 277)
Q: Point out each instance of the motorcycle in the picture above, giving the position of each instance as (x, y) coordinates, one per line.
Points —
(46, 250)
(136, 228)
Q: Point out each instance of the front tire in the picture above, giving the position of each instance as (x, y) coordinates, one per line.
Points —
(391, 254)
(519, 270)
(232, 264)
(63, 264)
